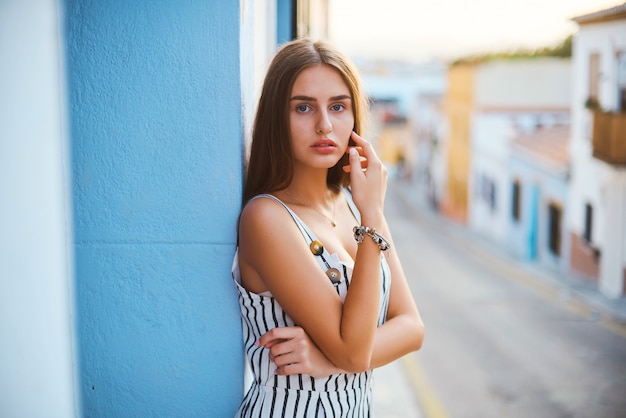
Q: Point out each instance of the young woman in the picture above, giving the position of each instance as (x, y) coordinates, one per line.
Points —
(323, 297)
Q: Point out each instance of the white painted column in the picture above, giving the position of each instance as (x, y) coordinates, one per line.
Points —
(37, 361)
(614, 249)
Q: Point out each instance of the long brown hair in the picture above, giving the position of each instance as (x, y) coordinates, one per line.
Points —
(270, 167)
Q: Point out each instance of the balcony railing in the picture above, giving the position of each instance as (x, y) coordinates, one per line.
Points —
(609, 137)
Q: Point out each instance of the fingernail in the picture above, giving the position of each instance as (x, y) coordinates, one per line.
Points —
(353, 151)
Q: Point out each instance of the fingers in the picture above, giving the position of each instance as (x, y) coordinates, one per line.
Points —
(277, 335)
(368, 179)
(365, 151)
(358, 140)
(288, 349)
(355, 162)
(293, 352)
(365, 147)
(283, 341)
(347, 168)
(285, 347)
(294, 368)
(290, 357)
(362, 157)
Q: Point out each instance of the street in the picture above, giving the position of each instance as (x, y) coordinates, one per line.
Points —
(499, 343)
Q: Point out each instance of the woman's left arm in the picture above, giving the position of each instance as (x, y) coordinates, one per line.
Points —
(403, 330)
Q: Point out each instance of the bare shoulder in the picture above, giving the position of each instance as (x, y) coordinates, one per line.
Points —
(266, 228)
(272, 252)
(260, 214)
(258, 239)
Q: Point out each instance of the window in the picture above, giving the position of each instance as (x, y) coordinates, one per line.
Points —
(488, 192)
(492, 196)
(587, 233)
(554, 228)
(621, 82)
(515, 206)
(594, 75)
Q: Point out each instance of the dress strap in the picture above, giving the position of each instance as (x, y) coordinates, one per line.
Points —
(355, 212)
(323, 257)
(306, 232)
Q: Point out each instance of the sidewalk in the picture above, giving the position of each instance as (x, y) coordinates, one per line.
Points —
(394, 394)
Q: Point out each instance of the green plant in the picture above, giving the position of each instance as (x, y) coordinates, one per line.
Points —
(592, 104)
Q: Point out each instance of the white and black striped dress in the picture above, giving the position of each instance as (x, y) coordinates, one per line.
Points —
(270, 395)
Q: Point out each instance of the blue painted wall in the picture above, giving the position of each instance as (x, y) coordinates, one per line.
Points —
(532, 208)
(156, 139)
(528, 238)
(284, 21)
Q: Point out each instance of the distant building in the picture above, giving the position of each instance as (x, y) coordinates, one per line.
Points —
(510, 97)
(597, 198)
(431, 151)
(459, 101)
(538, 177)
(487, 104)
(394, 89)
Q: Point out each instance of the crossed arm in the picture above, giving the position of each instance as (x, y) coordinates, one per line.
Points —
(293, 351)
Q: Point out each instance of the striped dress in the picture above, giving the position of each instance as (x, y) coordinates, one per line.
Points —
(271, 395)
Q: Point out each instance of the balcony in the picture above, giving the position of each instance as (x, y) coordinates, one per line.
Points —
(609, 137)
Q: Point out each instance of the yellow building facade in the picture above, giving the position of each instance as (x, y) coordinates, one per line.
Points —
(458, 107)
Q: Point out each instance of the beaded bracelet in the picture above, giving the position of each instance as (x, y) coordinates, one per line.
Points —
(361, 231)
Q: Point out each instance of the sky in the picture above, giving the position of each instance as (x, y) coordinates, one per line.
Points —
(418, 30)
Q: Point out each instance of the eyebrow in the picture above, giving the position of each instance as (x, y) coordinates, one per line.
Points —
(313, 99)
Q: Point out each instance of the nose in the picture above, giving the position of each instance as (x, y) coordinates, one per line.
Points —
(324, 126)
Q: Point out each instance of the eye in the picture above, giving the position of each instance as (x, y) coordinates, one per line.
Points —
(302, 108)
(337, 107)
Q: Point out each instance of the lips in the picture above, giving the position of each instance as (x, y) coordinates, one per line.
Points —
(324, 143)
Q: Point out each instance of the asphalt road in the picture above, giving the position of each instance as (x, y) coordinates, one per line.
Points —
(498, 343)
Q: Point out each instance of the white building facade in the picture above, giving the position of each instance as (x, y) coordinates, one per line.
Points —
(510, 97)
(597, 199)
(431, 148)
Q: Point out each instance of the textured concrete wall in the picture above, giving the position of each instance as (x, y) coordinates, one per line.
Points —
(155, 110)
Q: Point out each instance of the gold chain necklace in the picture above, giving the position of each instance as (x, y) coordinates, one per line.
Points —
(332, 220)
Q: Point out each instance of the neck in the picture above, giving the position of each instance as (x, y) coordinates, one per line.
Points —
(313, 195)
(311, 189)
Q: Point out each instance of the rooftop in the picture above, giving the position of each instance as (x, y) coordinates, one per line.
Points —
(548, 145)
(613, 13)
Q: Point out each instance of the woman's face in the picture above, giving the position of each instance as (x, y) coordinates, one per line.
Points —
(321, 117)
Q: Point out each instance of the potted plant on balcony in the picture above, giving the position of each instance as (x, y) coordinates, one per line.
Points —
(593, 104)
